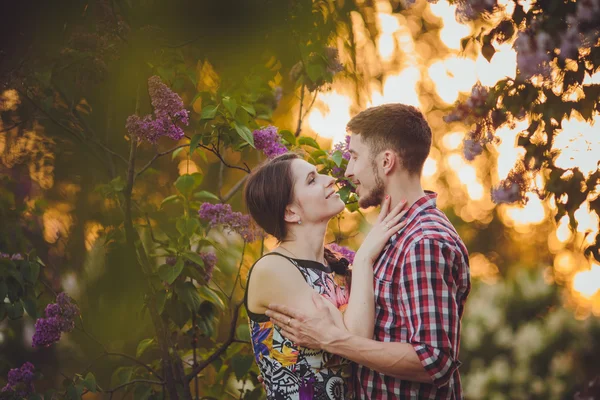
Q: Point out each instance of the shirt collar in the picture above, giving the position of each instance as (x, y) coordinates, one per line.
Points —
(427, 201)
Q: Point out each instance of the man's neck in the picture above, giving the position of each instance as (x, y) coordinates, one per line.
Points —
(403, 187)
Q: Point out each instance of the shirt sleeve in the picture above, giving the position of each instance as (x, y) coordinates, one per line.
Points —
(430, 306)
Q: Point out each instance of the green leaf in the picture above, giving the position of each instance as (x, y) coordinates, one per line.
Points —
(90, 382)
(3, 291)
(142, 392)
(241, 365)
(307, 141)
(203, 194)
(169, 273)
(185, 184)
(249, 109)
(74, 392)
(161, 298)
(15, 310)
(188, 293)
(176, 153)
(188, 226)
(488, 51)
(344, 193)
(30, 306)
(231, 105)
(315, 72)
(210, 295)
(169, 199)
(30, 271)
(318, 153)
(244, 132)
(243, 332)
(193, 257)
(143, 346)
(288, 136)
(209, 112)
(337, 157)
(118, 184)
(195, 142)
(121, 375)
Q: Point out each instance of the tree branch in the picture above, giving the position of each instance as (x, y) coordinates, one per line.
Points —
(220, 157)
(196, 370)
(299, 127)
(234, 189)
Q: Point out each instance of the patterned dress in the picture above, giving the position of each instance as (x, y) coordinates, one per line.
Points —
(293, 372)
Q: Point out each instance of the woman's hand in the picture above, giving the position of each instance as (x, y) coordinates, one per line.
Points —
(388, 223)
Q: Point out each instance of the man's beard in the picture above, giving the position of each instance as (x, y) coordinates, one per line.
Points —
(375, 196)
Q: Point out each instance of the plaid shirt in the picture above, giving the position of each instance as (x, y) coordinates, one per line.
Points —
(422, 280)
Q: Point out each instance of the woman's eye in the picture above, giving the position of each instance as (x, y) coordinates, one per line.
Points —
(311, 181)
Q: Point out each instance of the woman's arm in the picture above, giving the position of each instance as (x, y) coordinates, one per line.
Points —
(359, 317)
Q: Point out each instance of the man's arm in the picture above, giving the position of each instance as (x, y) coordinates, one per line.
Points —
(429, 305)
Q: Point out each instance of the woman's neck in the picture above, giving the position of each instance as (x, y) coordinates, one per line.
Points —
(306, 243)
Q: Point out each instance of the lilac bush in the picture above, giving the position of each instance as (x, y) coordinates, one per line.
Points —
(233, 221)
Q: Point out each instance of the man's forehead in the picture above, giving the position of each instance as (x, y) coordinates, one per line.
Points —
(355, 142)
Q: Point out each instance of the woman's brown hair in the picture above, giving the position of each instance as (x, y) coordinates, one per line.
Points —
(269, 190)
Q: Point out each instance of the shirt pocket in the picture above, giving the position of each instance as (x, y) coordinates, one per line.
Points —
(386, 309)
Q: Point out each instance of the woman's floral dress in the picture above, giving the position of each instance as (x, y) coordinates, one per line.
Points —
(293, 372)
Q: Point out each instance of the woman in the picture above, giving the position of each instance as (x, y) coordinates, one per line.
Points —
(291, 201)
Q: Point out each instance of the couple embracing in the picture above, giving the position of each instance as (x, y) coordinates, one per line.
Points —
(388, 327)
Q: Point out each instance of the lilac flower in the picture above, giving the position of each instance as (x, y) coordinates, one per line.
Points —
(169, 111)
(472, 148)
(20, 381)
(221, 214)
(268, 141)
(60, 317)
(210, 260)
(333, 60)
(511, 190)
(468, 10)
(344, 251)
(14, 257)
(532, 54)
(47, 332)
(344, 147)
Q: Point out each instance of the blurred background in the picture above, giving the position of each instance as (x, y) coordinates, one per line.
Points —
(531, 328)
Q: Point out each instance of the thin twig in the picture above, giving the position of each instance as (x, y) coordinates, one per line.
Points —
(154, 239)
(237, 277)
(161, 383)
(312, 103)
(12, 127)
(299, 127)
(220, 157)
(157, 155)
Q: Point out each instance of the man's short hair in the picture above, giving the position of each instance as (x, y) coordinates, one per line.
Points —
(397, 127)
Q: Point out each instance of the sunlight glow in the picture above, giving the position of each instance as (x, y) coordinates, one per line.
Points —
(586, 282)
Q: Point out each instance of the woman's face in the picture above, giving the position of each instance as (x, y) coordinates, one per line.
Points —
(315, 195)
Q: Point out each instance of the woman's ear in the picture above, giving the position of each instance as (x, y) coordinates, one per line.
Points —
(389, 161)
(291, 215)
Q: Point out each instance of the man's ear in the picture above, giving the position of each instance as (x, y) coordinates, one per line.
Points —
(389, 161)
(291, 215)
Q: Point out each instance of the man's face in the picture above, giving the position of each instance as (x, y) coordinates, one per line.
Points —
(363, 172)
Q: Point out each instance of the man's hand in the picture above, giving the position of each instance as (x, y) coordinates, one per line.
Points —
(315, 331)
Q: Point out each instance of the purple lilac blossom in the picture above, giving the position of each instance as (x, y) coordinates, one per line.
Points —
(210, 260)
(532, 54)
(20, 381)
(47, 332)
(512, 189)
(344, 251)
(60, 317)
(233, 221)
(169, 111)
(268, 141)
(344, 147)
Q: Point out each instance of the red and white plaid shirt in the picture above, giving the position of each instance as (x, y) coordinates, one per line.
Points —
(422, 280)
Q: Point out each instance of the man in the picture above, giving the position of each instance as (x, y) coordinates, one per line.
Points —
(422, 276)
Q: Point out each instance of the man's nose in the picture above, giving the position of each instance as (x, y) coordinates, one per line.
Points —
(348, 173)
